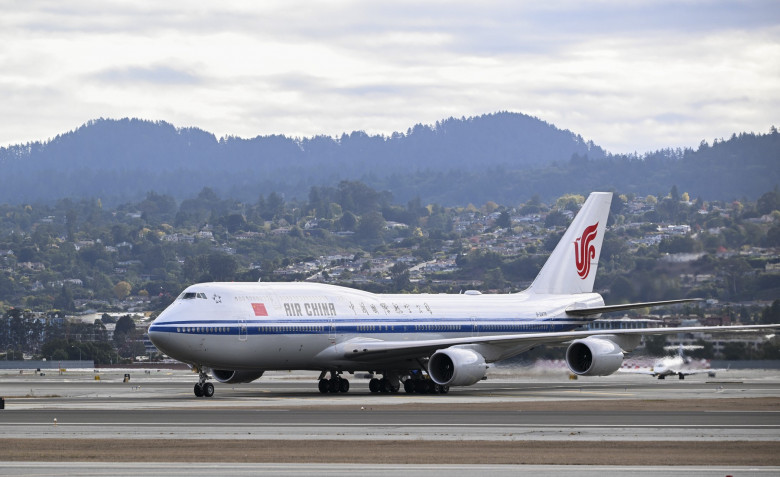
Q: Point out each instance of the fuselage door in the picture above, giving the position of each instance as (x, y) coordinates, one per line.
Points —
(242, 330)
(331, 330)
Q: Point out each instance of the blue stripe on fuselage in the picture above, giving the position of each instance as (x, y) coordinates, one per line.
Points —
(351, 326)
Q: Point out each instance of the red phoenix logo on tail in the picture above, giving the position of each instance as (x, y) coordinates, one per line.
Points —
(584, 251)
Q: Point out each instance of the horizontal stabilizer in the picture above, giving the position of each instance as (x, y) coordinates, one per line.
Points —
(627, 306)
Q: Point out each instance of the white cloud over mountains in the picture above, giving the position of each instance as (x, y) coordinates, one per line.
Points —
(631, 76)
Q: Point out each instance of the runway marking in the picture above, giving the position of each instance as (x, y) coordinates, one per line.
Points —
(420, 425)
(601, 393)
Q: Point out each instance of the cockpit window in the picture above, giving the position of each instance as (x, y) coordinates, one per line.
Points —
(192, 295)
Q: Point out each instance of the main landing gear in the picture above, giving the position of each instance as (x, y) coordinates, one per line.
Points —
(203, 388)
(336, 384)
(384, 385)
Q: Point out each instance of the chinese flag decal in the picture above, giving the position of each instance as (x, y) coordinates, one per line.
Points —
(259, 309)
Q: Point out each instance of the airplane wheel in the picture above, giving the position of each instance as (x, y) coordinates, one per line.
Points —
(384, 386)
(682, 376)
(198, 390)
(208, 390)
(661, 377)
(409, 386)
(373, 385)
(324, 385)
(333, 385)
(430, 387)
(445, 389)
(344, 385)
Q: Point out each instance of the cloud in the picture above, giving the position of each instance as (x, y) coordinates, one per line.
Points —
(159, 75)
(628, 75)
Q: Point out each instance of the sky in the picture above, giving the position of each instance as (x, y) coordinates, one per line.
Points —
(631, 76)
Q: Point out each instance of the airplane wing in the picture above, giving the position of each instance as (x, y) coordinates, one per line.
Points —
(627, 306)
(367, 349)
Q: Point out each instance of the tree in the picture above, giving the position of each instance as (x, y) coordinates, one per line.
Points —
(494, 279)
(504, 221)
(677, 244)
(621, 290)
(124, 326)
(348, 221)
(371, 226)
(654, 345)
(555, 218)
(771, 314)
(570, 202)
(222, 267)
(735, 269)
(768, 202)
(122, 290)
(399, 274)
(64, 300)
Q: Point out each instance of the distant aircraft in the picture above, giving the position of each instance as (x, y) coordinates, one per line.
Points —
(678, 365)
(425, 342)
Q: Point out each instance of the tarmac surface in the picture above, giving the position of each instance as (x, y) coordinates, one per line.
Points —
(730, 423)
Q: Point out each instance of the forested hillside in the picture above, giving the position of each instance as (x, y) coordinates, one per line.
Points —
(505, 157)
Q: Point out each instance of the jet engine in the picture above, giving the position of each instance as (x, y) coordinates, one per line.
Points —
(456, 367)
(235, 377)
(593, 356)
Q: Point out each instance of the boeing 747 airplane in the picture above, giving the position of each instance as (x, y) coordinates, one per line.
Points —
(427, 343)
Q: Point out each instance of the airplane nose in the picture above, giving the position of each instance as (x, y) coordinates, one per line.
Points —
(160, 333)
(161, 337)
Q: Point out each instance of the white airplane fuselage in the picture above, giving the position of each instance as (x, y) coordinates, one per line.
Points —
(280, 326)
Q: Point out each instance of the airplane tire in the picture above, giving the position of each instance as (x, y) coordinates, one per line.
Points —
(198, 390)
(409, 386)
(344, 385)
(324, 385)
(445, 389)
(373, 385)
(208, 390)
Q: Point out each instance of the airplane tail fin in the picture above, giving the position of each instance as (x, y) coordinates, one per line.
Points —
(571, 267)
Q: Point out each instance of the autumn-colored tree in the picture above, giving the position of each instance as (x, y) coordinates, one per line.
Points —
(122, 289)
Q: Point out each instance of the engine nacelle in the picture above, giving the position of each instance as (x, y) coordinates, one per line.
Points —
(235, 377)
(456, 367)
(594, 357)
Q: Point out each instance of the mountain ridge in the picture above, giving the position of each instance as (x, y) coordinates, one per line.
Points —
(509, 155)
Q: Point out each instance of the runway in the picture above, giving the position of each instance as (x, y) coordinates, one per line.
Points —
(512, 418)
